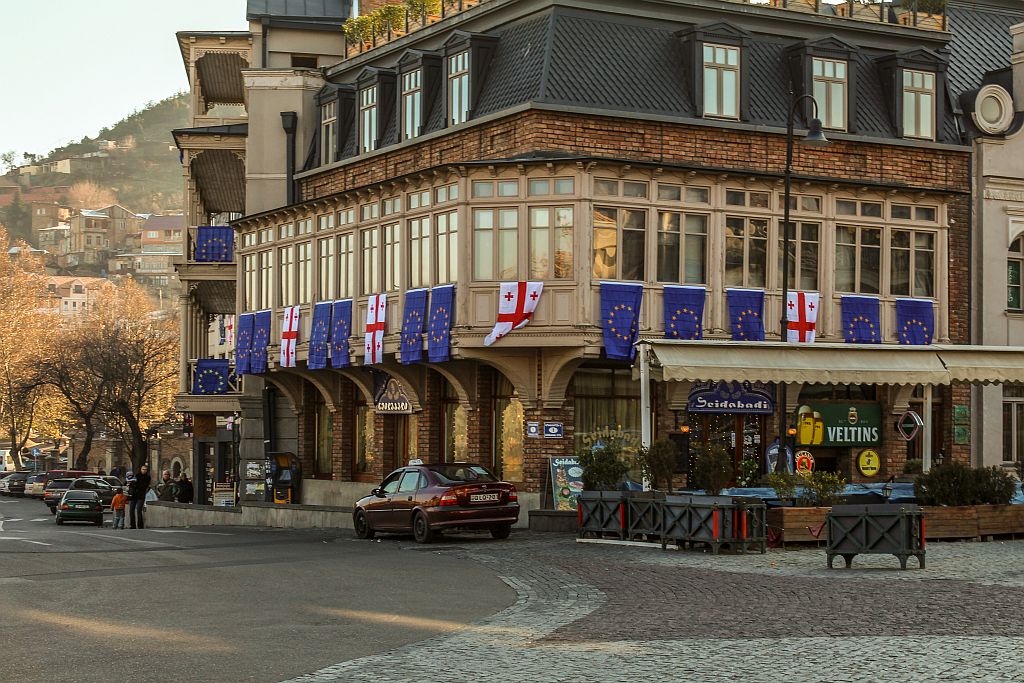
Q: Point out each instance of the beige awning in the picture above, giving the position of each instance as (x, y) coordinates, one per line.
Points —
(706, 360)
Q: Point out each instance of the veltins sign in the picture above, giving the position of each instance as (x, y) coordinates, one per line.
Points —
(835, 425)
(731, 397)
(392, 400)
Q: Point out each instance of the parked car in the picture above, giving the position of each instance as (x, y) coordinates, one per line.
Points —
(54, 491)
(80, 506)
(94, 483)
(3, 482)
(427, 499)
(16, 483)
(35, 485)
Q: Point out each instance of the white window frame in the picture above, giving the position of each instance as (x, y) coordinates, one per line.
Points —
(368, 117)
(918, 93)
(412, 103)
(830, 82)
(329, 132)
(458, 88)
(721, 63)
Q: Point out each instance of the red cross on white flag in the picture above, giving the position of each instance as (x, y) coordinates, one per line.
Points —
(802, 314)
(376, 306)
(289, 336)
(516, 303)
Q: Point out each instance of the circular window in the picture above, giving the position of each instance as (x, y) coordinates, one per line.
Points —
(993, 109)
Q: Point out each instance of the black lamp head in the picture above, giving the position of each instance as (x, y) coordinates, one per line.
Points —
(815, 135)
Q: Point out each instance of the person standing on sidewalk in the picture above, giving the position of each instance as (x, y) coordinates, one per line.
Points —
(137, 494)
(118, 505)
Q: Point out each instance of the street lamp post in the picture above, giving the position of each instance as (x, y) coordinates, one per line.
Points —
(814, 138)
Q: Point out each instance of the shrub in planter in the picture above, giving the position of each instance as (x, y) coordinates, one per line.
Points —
(913, 466)
(750, 472)
(784, 484)
(994, 486)
(955, 484)
(658, 462)
(713, 469)
(604, 465)
(821, 489)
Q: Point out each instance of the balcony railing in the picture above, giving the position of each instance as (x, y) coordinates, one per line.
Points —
(233, 385)
(394, 21)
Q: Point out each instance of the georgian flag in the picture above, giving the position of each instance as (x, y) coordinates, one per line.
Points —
(516, 303)
(802, 314)
(375, 310)
(289, 336)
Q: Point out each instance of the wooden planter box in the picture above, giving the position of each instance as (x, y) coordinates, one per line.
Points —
(1000, 520)
(799, 525)
(951, 522)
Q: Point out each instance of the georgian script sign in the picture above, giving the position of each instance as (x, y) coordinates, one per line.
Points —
(392, 400)
(731, 397)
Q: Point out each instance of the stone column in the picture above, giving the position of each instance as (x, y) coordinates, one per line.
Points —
(184, 337)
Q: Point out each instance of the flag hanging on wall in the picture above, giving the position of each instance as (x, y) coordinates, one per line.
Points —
(230, 328)
(746, 313)
(211, 376)
(376, 307)
(801, 316)
(289, 336)
(243, 343)
(319, 336)
(516, 303)
(412, 326)
(260, 340)
(620, 318)
(915, 321)
(222, 329)
(440, 324)
(215, 244)
(684, 312)
(341, 330)
(862, 319)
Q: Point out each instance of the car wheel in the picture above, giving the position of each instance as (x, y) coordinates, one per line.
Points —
(421, 529)
(501, 531)
(361, 525)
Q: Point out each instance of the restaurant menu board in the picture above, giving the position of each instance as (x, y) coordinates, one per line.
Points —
(566, 482)
(223, 494)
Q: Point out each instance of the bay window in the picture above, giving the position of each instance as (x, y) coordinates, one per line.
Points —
(370, 247)
(912, 263)
(419, 252)
(327, 273)
(347, 266)
(858, 259)
(682, 247)
(304, 261)
(620, 238)
(286, 267)
(551, 243)
(746, 247)
(392, 256)
(495, 244)
(803, 255)
(447, 229)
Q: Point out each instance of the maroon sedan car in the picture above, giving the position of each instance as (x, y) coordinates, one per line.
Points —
(427, 499)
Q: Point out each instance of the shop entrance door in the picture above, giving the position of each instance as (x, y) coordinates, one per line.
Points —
(742, 435)
(396, 441)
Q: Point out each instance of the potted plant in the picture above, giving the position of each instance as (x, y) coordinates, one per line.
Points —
(713, 469)
(961, 502)
(658, 463)
(389, 19)
(600, 506)
(812, 495)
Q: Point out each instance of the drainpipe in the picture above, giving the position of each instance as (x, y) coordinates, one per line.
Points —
(289, 120)
(265, 50)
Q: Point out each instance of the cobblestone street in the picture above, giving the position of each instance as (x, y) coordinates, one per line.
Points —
(597, 612)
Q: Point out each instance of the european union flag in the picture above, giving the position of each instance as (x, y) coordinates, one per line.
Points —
(861, 319)
(413, 320)
(319, 336)
(211, 376)
(684, 312)
(260, 340)
(341, 330)
(746, 314)
(215, 244)
(243, 343)
(440, 324)
(915, 321)
(620, 313)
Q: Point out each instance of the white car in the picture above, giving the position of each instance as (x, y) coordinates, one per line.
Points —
(3, 483)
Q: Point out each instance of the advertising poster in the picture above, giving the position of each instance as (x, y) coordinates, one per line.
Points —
(566, 482)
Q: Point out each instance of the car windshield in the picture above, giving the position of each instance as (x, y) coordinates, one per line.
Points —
(457, 474)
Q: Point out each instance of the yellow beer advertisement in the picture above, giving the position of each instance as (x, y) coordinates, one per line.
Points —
(832, 425)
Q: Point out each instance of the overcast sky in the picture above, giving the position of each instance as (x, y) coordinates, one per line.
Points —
(71, 67)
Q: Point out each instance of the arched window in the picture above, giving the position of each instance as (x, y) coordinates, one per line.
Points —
(1014, 264)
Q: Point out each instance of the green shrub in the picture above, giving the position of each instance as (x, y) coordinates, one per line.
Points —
(714, 469)
(604, 465)
(913, 466)
(821, 489)
(784, 484)
(658, 462)
(956, 484)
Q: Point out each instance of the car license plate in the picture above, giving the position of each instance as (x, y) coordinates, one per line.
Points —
(484, 498)
(85, 507)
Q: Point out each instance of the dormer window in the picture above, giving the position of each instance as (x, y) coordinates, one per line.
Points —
(918, 104)
(829, 78)
(329, 132)
(721, 81)
(412, 103)
(368, 119)
(458, 88)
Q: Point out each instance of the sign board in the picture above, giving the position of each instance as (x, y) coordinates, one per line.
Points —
(533, 430)
(392, 399)
(731, 397)
(835, 425)
(868, 462)
(909, 425)
(223, 494)
(961, 435)
(804, 462)
(553, 430)
(961, 414)
(566, 482)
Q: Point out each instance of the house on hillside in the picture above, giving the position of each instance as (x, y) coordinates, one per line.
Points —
(71, 296)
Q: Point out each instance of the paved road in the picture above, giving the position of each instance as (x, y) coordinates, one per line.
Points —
(216, 604)
(537, 607)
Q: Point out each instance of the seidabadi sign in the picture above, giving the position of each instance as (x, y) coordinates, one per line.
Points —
(731, 397)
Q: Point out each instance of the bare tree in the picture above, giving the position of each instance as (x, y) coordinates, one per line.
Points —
(87, 194)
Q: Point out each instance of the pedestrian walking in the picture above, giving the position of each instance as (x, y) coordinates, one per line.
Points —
(185, 489)
(118, 505)
(166, 489)
(138, 488)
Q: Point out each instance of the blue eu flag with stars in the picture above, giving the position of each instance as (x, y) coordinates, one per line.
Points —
(215, 244)
(684, 312)
(620, 318)
(260, 340)
(413, 321)
(746, 314)
(915, 321)
(243, 343)
(440, 323)
(341, 330)
(861, 319)
(319, 336)
(211, 376)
